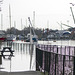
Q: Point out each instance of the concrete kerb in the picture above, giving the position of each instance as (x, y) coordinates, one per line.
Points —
(21, 73)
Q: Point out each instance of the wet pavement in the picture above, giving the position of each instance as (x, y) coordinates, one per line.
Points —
(21, 73)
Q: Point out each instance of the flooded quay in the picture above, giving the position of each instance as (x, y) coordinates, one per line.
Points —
(20, 61)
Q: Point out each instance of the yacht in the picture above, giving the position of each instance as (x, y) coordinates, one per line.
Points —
(2, 36)
(31, 37)
(10, 37)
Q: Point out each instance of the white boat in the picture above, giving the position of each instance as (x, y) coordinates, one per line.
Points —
(2, 36)
(30, 35)
(10, 37)
(34, 38)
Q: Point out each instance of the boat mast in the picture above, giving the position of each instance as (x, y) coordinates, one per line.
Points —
(1, 2)
(21, 24)
(34, 19)
(15, 27)
(31, 24)
(1, 21)
(26, 22)
(10, 18)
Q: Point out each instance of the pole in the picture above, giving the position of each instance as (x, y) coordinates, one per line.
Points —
(1, 21)
(21, 24)
(34, 19)
(10, 18)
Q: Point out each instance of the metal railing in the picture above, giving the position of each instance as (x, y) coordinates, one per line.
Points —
(56, 60)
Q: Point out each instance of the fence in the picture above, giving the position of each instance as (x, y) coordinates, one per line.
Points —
(56, 60)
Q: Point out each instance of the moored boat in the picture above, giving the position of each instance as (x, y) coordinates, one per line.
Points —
(2, 36)
(34, 38)
(31, 36)
(10, 37)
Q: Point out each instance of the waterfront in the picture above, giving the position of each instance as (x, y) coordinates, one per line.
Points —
(59, 42)
(21, 59)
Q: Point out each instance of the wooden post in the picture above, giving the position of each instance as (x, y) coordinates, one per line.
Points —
(74, 63)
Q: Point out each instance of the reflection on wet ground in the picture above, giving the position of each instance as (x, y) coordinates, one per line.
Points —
(20, 61)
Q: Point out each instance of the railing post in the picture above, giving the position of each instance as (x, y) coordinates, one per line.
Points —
(57, 49)
(53, 48)
(61, 50)
(44, 47)
(63, 64)
(50, 62)
(74, 63)
(69, 55)
(49, 55)
(50, 48)
(44, 62)
(65, 50)
(74, 67)
(55, 62)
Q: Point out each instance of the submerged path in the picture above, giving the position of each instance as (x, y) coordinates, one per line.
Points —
(21, 73)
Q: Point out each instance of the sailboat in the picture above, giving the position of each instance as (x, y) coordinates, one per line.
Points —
(2, 36)
(10, 37)
(34, 36)
(2, 32)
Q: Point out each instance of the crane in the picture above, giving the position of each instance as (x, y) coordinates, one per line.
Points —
(67, 25)
(72, 14)
(72, 4)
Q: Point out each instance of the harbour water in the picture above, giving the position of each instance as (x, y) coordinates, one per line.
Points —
(22, 55)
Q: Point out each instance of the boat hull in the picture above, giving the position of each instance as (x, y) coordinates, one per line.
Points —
(2, 39)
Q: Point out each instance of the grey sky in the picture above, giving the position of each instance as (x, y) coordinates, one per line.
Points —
(47, 13)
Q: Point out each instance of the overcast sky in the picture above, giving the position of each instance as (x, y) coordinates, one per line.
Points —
(47, 13)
